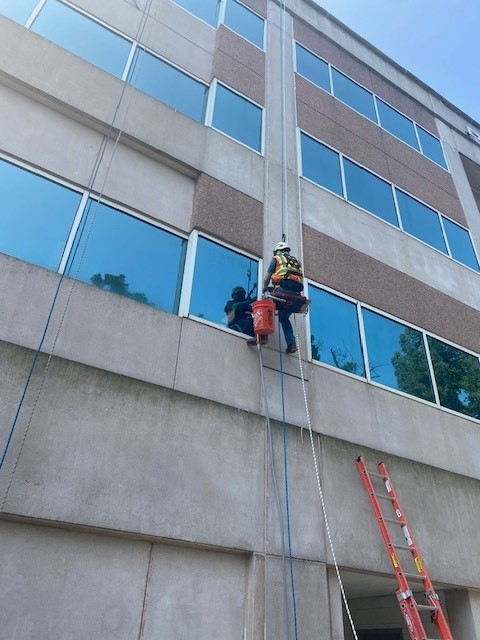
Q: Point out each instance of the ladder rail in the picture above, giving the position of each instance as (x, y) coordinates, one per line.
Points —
(409, 607)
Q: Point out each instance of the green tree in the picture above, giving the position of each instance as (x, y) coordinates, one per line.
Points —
(411, 367)
(117, 284)
(341, 358)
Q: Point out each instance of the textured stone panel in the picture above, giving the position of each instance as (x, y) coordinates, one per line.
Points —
(260, 6)
(227, 214)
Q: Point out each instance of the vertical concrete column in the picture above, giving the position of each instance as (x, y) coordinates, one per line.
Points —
(281, 163)
(463, 609)
(335, 605)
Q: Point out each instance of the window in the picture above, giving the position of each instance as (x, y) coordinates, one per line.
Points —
(168, 84)
(206, 10)
(398, 124)
(217, 271)
(334, 332)
(421, 221)
(369, 192)
(244, 22)
(321, 165)
(237, 117)
(397, 356)
(120, 253)
(36, 216)
(457, 374)
(431, 147)
(18, 10)
(312, 68)
(84, 37)
(354, 95)
(460, 244)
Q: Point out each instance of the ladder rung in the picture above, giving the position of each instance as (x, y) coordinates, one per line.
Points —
(382, 497)
(414, 576)
(395, 521)
(374, 474)
(426, 607)
(403, 546)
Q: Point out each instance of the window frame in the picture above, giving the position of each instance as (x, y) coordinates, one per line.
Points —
(201, 19)
(364, 347)
(295, 67)
(394, 188)
(221, 21)
(212, 94)
(189, 269)
(375, 98)
(133, 43)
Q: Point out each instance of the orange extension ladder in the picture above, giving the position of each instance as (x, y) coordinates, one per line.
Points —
(408, 605)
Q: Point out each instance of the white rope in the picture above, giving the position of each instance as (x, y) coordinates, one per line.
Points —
(320, 490)
(283, 36)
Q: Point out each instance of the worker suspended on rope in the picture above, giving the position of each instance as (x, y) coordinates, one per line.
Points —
(286, 275)
(239, 311)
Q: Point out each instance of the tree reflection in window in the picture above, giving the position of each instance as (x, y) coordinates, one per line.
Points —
(457, 374)
(128, 256)
(335, 336)
(397, 356)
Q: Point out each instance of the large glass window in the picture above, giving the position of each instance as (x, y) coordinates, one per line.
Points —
(460, 244)
(120, 253)
(369, 192)
(18, 10)
(458, 378)
(354, 95)
(397, 356)
(168, 84)
(206, 10)
(321, 165)
(217, 271)
(312, 68)
(334, 332)
(36, 216)
(84, 37)
(398, 124)
(244, 22)
(421, 221)
(431, 147)
(237, 117)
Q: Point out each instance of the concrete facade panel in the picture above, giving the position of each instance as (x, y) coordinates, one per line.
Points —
(310, 589)
(98, 328)
(334, 264)
(194, 594)
(186, 25)
(114, 453)
(260, 6)
(227, 214)
(64, 585)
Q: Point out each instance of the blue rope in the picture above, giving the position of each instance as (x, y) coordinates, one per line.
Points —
(287, 503)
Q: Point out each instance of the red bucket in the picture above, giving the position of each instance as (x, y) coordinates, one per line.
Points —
(264, 316)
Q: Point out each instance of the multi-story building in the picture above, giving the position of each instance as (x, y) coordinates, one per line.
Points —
(152, 154)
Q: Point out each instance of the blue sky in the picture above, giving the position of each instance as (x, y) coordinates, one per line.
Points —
(436, 40)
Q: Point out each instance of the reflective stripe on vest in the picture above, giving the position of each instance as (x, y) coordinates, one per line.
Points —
(287, 268)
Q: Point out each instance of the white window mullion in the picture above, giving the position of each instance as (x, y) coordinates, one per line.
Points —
(363, 342)
(35, 13)
(184, 305)
(430, 368)
(129, 61)
(73, 232)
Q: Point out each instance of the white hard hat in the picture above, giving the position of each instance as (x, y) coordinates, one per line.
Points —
(281, 246)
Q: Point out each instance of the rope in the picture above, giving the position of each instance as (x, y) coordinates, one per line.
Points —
(287, 502)
(320, 490)
(277, 495)
(283, 117)
(93, 176)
